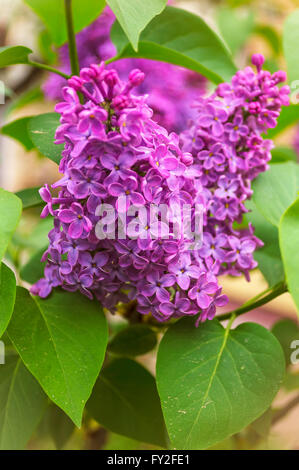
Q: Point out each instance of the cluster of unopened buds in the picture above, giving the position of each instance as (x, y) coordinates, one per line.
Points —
(119, 165)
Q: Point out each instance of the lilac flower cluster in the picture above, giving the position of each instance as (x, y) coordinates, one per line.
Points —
(171, 89)
(229, 152)
(115, 152)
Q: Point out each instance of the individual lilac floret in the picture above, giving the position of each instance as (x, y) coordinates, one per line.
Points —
(117, 158)
(171, 89)
(229, 150)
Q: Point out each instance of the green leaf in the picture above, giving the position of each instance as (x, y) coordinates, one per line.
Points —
(18, 130)
(235, 26)
(42, 130)
(62, 340)
(10, 213)
(133, 341)
(52, 14)
(33, 270)
(268, 257)
(181, 38)
(290, 39)
(214, 381)
(286, 331)
(289, 115)
(288, 239)
(57, 425)
(7, 296)
(275, 190)
(29, 96)
(14, 55)
(30, 197)
(125, 401)
(134, 16)
(22, 404)
(283, 154)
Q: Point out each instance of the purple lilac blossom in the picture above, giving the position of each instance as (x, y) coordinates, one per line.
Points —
(231, 153)
(135, 157)
(164, 276)
(171, 89)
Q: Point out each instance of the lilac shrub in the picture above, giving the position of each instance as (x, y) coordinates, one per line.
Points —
(171, 89)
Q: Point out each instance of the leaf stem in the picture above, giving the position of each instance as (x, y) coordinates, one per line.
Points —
(71, 37)
(48, 68)
(279, 289)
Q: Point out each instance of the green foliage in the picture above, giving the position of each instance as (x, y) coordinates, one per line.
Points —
(134, 340)
(268, 257)
(181, 38)
(51, 13)
(7, 296)
(62, 340)
(288, 239)
(286, 331)
(290, 40)
(125, 401)
(33, 270)
(30, 197)
(214, 381)
(42, 130)
(33, 94)
(275, 190)
(12, 55)
(288, 116)
(22, 404)
(134, 16)
(57, 425)
(10, 213)
(235, 26)
(18, 131)
(283, 154)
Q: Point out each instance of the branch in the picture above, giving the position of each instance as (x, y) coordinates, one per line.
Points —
(71, 37)
(252, 304)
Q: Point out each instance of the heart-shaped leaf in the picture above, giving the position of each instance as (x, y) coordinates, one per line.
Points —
(214, 381)
(62, 340)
